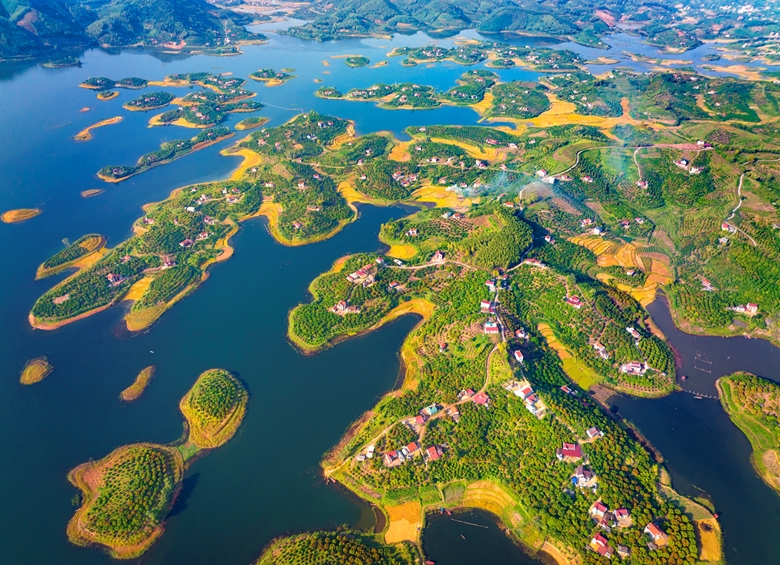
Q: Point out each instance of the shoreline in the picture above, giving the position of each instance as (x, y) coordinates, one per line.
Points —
(86, 133)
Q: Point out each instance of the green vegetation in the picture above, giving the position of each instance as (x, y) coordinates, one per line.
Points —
(169, 151)
(150, 101)
(103, 83)
(83, 246)
(356, 62)
(519, 100)
(126, 497)
(271, 77)
(214, 408)
(135, 390)
(325, 548)
(753, 404)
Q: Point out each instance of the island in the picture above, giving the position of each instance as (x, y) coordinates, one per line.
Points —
(149, 101)
(135, 390)
(105, 84)
(106, 95)
(357, 61)
(64, 62)
(77, 252)
(251, 123)
(90, 192)
(19, 215)
(169, 151)
(127, 495)
(271, 77)
(86, 133)
(753, 404)
(35, 370)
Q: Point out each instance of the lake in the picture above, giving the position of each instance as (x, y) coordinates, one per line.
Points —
(266, 481)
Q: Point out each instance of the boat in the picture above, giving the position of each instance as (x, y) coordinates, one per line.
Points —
(698, 396)
(429, 562)
(682, 378)
(461, 535)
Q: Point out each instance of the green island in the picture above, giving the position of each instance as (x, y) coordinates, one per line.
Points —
(168, 152)
(104, 83)
(142, 380)
(251, 123)
(149, 101)
(35, 370)
(75, 252)
(64, 62)
(357, 61)
(214, 408)
(753, 404)
(127, 495)
(271, 77)
(344, 547)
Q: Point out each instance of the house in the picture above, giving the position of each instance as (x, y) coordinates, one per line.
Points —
(633, 333)
(491, 284)
(468, 393)
(568, 390)
(633, 368)
(622, 514)
(682, 163)
(725, 226)
(433, 453)
(491, 328)
(341, 308)
(707, 285)
(114, 279)
(656, 534)
(168, 262)
(569, 451)
(393, 285)
(482, 399)
(534, 263)
(524, 392)
(600, 545)
(586, 222)
(487, 307)
(520, 333)
(587, 178)
(392, 459)
(599, 509)
(595, 230)
(438, 257)
(442, 347)
(641, 184)
(370, 452)
(594, 433)
(573, 301)
(412, 232)
(187, 243)
(541, 173)
(518, 356)
(430, 410)
(202, 235)
(601, 350)
(411, 449)
(623, 551)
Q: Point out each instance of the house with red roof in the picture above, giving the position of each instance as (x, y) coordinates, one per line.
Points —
(600, 545)
(433, 453)
(518, 356)
(569, 451)
(622, 514)
(594, 433)
(573, 301)
(491, 328)
(482, 399)
(486, 307)
(658, 536)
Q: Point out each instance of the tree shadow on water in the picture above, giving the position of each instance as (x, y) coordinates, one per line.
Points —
(187, 486)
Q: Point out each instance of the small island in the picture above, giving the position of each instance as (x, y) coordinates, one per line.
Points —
(86, 133)
(19, 215)
(251, 123)
(753, 404)
(357, 61)
(270, 77)
(69, 61)
(135, 390)
(35, 370)
(168, 152)
(214, 408)
(127, 495)
(106, 95)
(90, 192)
(149, 101)
(77, 251)
(103, 83)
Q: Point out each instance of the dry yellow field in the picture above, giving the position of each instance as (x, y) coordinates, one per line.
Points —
(708, 540)
(350, 194)
(137, 290)
(399, 152)
(440, 196)
(346, 137)
(402, 251)
(404, 522)
(487, 496)
(251, 159)
(553, 342)
(489, 154)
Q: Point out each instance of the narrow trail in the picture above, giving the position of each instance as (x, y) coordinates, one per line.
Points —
(737, 207)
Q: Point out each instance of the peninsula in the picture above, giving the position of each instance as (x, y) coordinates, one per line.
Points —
(76, 252)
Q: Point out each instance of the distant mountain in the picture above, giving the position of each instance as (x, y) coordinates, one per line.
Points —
(30, 28)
